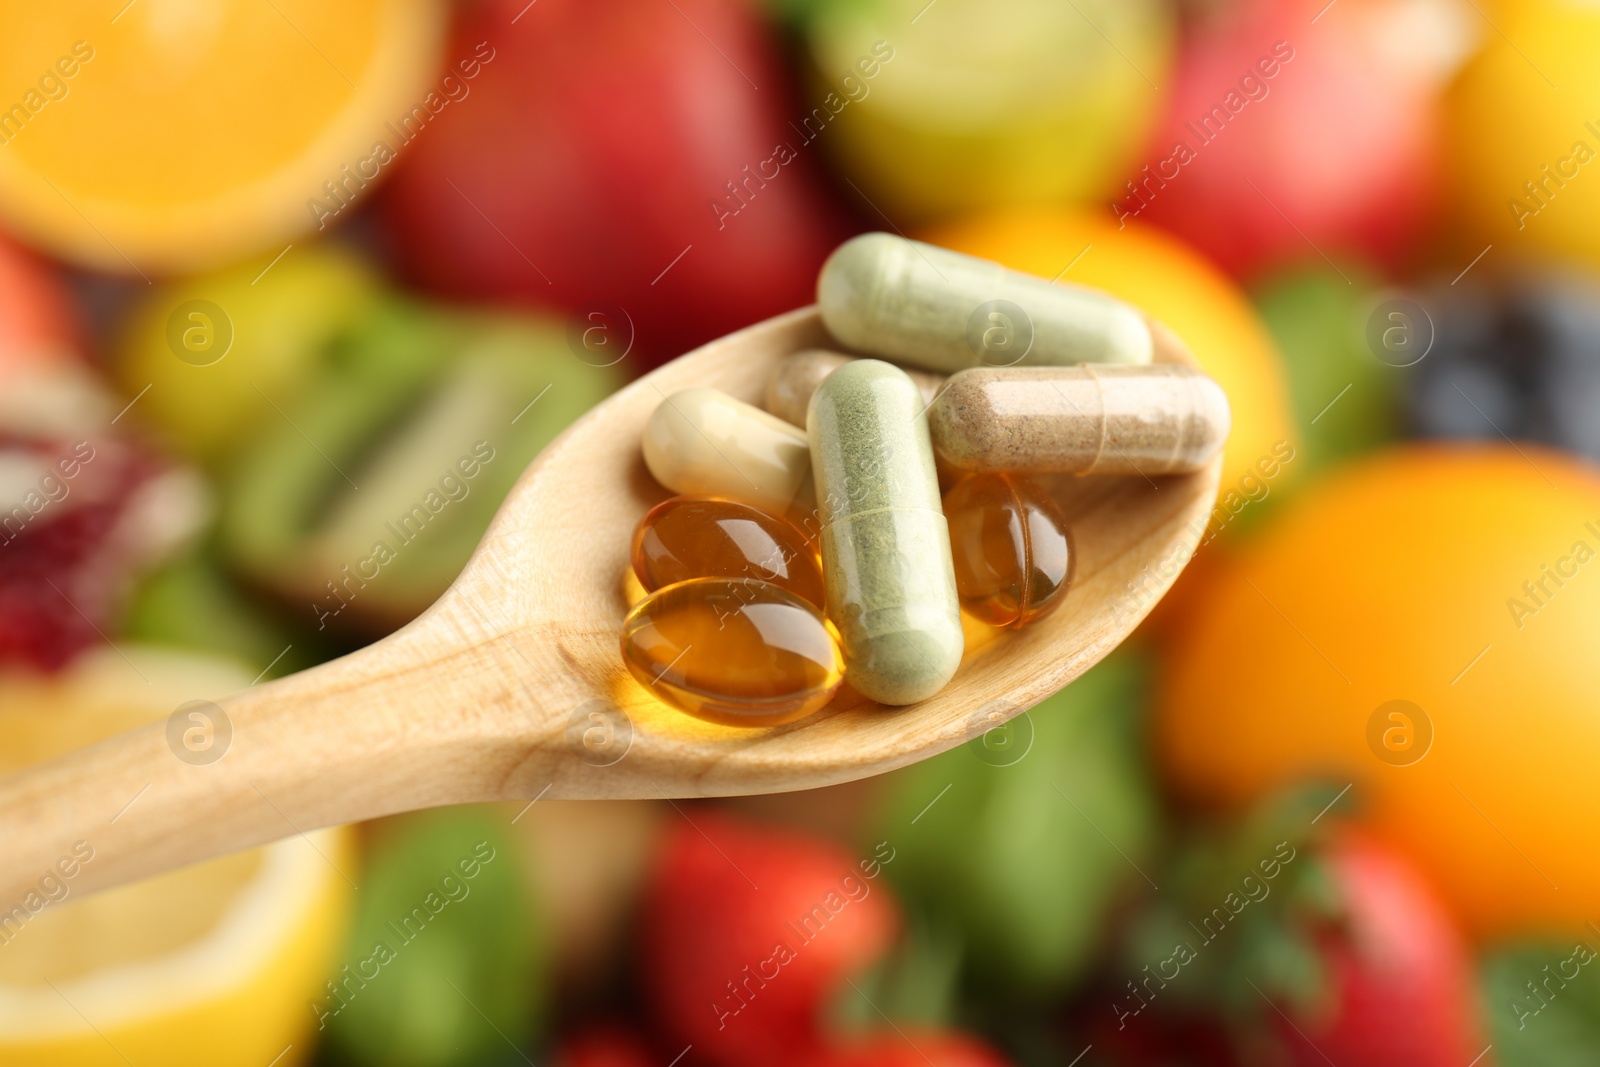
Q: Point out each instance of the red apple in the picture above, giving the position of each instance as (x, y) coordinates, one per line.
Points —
(1297, 127)
(35, 313)
(633, 153)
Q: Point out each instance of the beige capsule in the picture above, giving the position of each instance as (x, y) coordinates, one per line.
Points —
(929, 307)
(794, 379)
(703, 441)
(1091, 419)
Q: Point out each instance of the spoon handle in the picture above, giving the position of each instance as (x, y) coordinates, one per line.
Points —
(383, 730)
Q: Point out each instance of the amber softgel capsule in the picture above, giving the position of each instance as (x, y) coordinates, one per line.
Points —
(712, 537)
(1011, 548)
(733, 650)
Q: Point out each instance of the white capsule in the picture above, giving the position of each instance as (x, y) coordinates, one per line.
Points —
(705, 441)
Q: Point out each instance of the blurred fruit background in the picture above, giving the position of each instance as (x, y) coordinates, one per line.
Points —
(290, 293)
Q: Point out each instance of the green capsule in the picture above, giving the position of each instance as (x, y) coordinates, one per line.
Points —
(930, 307)
(886, 564)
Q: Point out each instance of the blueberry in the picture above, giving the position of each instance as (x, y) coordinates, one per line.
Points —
(1516, 359)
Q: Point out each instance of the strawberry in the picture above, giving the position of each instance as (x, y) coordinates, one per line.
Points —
(1305, 945)
(913, 1048)
(1399, 982)
(1172, 1039)
(748, 934)
(604, 1048)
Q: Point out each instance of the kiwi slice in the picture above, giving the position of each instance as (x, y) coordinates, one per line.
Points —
(368, 497)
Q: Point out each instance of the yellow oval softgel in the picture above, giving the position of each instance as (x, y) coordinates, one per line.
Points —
(733, 650)
(1010, 546)
(687, 537)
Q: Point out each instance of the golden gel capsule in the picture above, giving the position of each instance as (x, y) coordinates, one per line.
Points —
(703, 441)
(1160, 419)
(793, 380)
(885, 546)
(713, 537)
(942, 310)
(1012, 551)
(733, 650)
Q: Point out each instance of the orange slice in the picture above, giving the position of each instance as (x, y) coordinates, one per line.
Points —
(167, 135)
(213, 965)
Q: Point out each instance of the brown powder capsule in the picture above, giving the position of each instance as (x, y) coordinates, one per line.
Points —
(1088, 419)
(793, 380)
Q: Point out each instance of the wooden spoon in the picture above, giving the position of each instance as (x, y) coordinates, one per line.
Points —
(512, 686)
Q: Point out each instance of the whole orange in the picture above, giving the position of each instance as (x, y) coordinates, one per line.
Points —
(1462, 582)
(1521, 150)
(1173, 283)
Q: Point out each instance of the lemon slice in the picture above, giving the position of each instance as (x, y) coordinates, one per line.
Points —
(214, 964)
(162, 135)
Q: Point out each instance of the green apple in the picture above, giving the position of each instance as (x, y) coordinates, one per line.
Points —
(210, 356)
(963, 105)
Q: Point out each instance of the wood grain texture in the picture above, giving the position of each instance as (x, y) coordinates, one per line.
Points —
(511, 685)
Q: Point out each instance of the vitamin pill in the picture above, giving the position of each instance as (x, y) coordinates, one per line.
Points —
(1161, 419)
(713, 537)
(793, 380)
(933, 308)
(733, 650)
(703, 441)
(1012, 552)
(885, 547)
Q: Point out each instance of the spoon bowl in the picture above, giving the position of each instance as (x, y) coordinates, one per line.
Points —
(512, 685)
